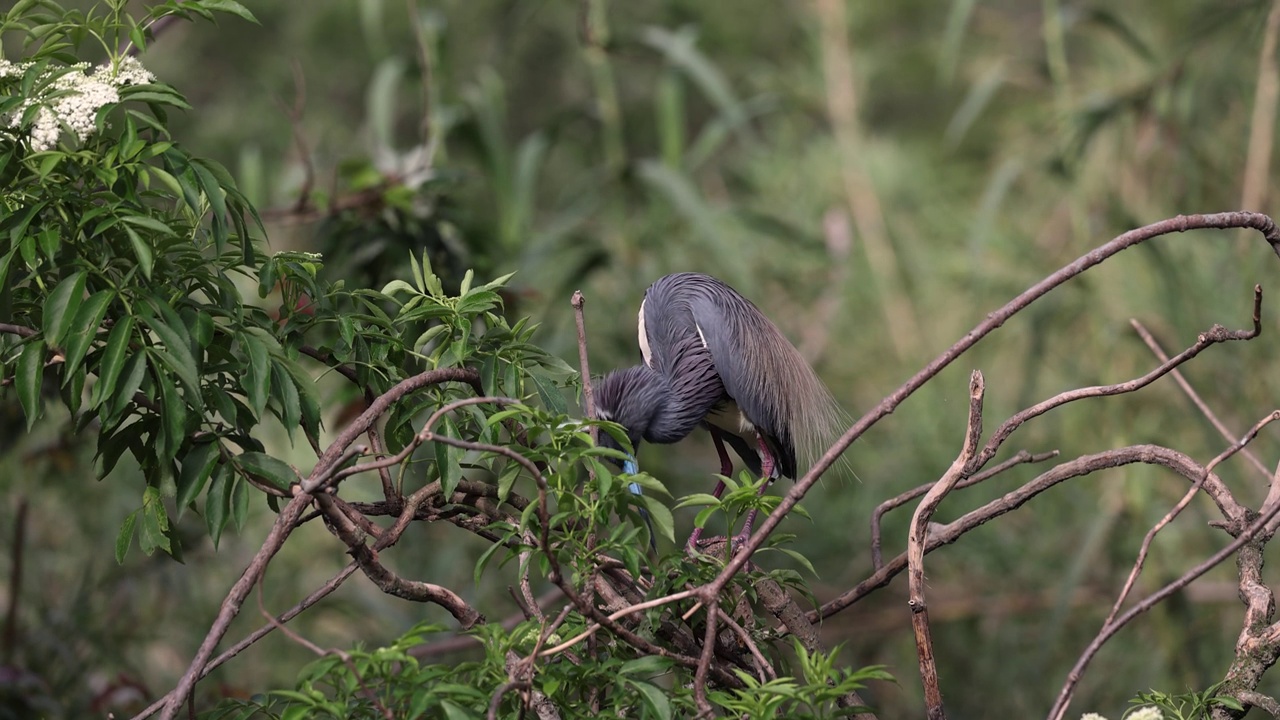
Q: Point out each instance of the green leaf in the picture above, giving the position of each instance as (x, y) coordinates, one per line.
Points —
(655, 698)
(84, 328)
(659, 515)
(176, 356)
(4, 266)
(231, 7)
(197, 466)
(257, 377)
(239, 504)
(552, 398)
(804, 561)
(217, 502)
(153, 532)
(142, 251)
(173, 417)
(698, 499)
(134, 372)
(217, 197)
(124, 538)
(61, 306)
(448, 459)
(307, 397)
(149, 223)
(286, 395)
(29, 379)
(273, 471)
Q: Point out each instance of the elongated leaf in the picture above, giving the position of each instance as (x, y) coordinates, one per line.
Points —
(142, 251)
(173, 416)
(273, 471)
(124, 538)
(84, 328)
(448, 459)
(239, 504)
(197, 466)
(218, 501)
(154, 530)
(286, 395)
(112, 360)
(257, 377)
(308, 400)
(131, 377)
(552, 399)
(4, 266)
(176, 356)
(29, 378)
(61, 306)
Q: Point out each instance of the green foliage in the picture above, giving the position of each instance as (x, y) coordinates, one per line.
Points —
(369, 683)
(599, 152)
(1188, 705)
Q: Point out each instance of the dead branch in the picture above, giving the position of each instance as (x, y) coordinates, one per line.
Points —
(1181, 505)
(1019, 458)
(946, 534)
(1182, 223)
(915, 549)
(1191, 393)
(1108, 630)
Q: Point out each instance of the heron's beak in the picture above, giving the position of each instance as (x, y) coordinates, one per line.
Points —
(629, 466)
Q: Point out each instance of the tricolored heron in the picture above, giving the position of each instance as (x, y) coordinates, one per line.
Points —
(711, 358)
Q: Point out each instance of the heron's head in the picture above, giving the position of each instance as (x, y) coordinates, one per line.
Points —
(631, 398)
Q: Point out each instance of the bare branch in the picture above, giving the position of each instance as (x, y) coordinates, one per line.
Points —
(284, 524)
(1109, 629)
(1190, 392)
(1084, 465)
(1019, 458)
(915, 549)
(1182, 223)
(1181, 505)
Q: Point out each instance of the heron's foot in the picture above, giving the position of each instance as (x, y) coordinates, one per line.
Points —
(698, 545)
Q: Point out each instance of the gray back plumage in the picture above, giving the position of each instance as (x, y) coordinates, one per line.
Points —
(755, 363)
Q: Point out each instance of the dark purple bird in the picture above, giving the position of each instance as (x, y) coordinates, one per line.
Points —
(711, 358)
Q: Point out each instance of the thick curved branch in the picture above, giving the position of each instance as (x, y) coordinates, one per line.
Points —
(1084, 465)
(389, 582)
(1182, 223)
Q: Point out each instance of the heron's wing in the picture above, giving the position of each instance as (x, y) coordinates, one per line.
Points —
(759, 368)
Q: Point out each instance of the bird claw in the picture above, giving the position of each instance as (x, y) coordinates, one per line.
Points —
(736, 543)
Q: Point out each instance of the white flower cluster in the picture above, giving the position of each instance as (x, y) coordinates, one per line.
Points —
(73, 99)
(1143, 713)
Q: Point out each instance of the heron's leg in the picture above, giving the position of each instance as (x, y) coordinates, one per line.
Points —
(767, 468)
(726, 467)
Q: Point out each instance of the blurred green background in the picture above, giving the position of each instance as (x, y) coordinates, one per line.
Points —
(876, 176)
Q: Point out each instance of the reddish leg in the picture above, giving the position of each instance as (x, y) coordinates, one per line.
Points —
(767, 465)
(726, 467)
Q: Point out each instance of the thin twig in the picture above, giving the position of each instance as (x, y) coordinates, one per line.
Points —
(320, 593)
(284, 524)
(1181, 505)
(1223, 430)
